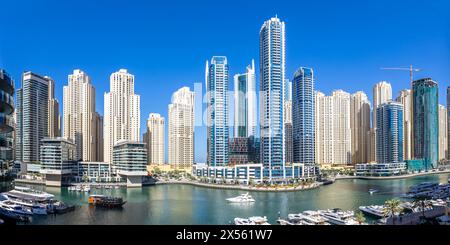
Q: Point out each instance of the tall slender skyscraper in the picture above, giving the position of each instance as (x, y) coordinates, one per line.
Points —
(390, 132)
(181, 127)
(443, 148)
(324, 115)
(360, 126)
(448, 122)
(32, 117)
(217, 78)
(272, 51)
(405, 98)
(303, 116)
(245, 103)
(155, 138)
(426, 122)
(80, 123)
(122, 112)
(54, 129)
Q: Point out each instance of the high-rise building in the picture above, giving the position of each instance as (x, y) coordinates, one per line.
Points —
(99, 137)
(155, 138)
(333, 132)
(217, 78)
(303, 116)
(405, 98)
(382, 93)
(288, 134)
(181, 127)
(443, 148)
(272, 51)
(426, 122)
(287, 90)
(448, 122)
(390, 132)
(80, 117)
(122, 112)
(245, 103)
(54, 126)
(32, 117)
(6, 122)
(360, 127)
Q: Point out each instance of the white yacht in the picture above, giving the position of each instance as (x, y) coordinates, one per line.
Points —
(244, 198)
(28, 193)
(34, 207)
(339, 217)
(374, 210)
(372, 191)
(14, 208)
(255, 220)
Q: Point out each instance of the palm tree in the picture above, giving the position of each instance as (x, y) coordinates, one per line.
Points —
(392, 208)
(360, 217)
(421, 202)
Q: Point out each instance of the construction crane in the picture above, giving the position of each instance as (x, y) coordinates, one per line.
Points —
(411, 70)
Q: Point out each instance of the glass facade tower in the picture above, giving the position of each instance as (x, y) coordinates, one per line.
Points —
(390, 132)
(303, 116)
(217, 111)
(272, 74)
(425, 122)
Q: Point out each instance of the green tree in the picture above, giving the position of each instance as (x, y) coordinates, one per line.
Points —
(392, 208)
(360, 217)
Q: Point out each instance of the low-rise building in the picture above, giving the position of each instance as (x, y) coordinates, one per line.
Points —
(380, 169)
(93, 172)
(130, 162)
(58, 159)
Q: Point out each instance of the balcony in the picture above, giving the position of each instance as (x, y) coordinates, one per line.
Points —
(6, 123)
(6, 103)
(6, 83)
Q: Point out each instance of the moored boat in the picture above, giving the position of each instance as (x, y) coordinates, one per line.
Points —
(241, 198)
(106, 201)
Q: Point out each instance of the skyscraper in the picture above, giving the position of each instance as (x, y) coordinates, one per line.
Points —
(122, 112)
(245, 103)
(333, 132)
(272, 52)
(443, 148)
(390, 132)
(360, 126)
(426, 122)
(6, 121)
(448, 122)
(32, 117)
(405, 98)
(217, 78)
(303, 116)
(288, 139)
(181, 127)
(382, 93)
(54, 127)
(155, 138)
(80, 118)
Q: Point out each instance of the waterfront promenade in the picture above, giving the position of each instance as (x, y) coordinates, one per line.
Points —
(242, 187)
(405, 176)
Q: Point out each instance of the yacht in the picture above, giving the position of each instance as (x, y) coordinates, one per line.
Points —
(255, 220)
(374, 210)
(36, 208)
(15, 208)
(28, 193)
(339, 217)
(371, 191)
(307, 218)
(241, 199)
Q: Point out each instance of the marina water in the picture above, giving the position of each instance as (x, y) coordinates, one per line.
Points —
(191, 205)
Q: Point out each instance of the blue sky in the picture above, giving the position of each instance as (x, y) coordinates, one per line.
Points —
(165, 43)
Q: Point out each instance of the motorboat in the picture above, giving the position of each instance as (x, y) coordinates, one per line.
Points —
(374, 210)
(35, 207)
(244, 198)
(28, 193)
(339, 217)
(372, 191)
(254, 220)
(15, 208)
